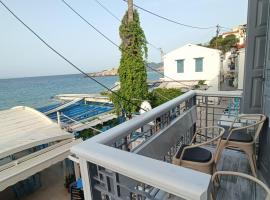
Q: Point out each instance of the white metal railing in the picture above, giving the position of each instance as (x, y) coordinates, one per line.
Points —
(122, 130)
(99, 160)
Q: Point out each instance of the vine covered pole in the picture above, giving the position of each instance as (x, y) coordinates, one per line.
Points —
(130, 10)
(132, 69)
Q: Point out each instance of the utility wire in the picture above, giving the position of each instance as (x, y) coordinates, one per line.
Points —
(171, 20)
(119, 47)
(64, 58)
(118, 19)
(105, 8)
(223, 27)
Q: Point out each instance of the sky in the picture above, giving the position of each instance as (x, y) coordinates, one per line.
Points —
(23, 55)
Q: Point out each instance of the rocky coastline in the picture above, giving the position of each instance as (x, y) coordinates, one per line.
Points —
(108, 72)
(114, 71)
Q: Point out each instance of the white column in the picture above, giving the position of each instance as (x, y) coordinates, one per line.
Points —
(58, 118)
(77, 170)
(85, 179)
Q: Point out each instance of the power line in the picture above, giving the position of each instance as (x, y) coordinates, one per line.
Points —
(223, 27)
(118, 19)
(105, 8)
(171, 20)
(97, 30)
(64, 58)
(119, 47)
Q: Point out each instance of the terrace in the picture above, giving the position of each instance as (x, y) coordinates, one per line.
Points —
(133, 160)
(78, 114)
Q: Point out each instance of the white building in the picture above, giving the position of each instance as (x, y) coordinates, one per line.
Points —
(192, 63)
(241, 68)
(233, 64)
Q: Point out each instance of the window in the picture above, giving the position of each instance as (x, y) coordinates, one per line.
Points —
(180, 66)
(198, 64)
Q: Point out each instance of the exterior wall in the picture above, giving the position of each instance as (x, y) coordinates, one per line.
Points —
(226, 62)
(211, 65)
(241, 67)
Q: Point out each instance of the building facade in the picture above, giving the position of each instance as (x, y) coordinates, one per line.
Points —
(233, 68)
(192, 63)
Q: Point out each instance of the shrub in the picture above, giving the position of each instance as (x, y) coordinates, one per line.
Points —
(161, 95)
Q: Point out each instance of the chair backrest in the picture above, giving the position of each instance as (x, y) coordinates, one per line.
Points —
(260, 126)
(258, 119)
(246, 176)
(215, 139)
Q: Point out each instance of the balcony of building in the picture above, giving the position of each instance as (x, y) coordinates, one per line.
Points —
(134, 159)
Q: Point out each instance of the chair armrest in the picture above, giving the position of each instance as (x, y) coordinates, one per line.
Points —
(246, 176)
(251, 116)
(247, 116)
(205, 128)
(231, 130)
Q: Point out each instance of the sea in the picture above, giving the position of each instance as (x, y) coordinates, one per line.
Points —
(40, 91)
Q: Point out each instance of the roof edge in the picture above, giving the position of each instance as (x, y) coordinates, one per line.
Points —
(34, 111)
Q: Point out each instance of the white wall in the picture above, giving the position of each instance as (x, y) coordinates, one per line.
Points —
(211, 65)
(241, 65)
(226, 62)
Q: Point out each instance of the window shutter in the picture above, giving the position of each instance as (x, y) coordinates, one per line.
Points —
(255, 56)
(198, 64)
(180, 66)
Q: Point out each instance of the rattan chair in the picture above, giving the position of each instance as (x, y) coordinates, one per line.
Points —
(198, 156)
(239, 137)
(217, 175)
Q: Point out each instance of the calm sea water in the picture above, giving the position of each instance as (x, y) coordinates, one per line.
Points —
(39, 91)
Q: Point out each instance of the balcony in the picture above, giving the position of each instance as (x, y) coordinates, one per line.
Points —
(133, 160)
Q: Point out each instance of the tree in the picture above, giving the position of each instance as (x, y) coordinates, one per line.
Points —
(223, 44)
(228, 42)
(216, 43)
(132, 70)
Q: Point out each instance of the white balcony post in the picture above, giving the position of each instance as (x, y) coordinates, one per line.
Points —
(58, 118)
(85, 179)
(77, 171)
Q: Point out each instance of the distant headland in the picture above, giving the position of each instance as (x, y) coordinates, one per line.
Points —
(114, 71)
(107, 72)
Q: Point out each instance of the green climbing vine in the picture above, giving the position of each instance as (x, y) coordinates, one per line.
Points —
(132, 70)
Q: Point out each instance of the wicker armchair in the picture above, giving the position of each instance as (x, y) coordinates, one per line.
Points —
(217, 175)
(195, 156)
(240, 139)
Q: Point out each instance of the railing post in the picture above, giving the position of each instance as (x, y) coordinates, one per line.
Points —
(85, 179)
(206, 114)
(88, 180)
(58, 118)
(206, 111)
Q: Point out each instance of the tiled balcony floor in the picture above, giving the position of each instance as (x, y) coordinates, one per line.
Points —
(231, 187)
(237, 188)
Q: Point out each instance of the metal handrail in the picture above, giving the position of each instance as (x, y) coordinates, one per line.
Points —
(237, 93)
(179, 181)
(122, 130)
